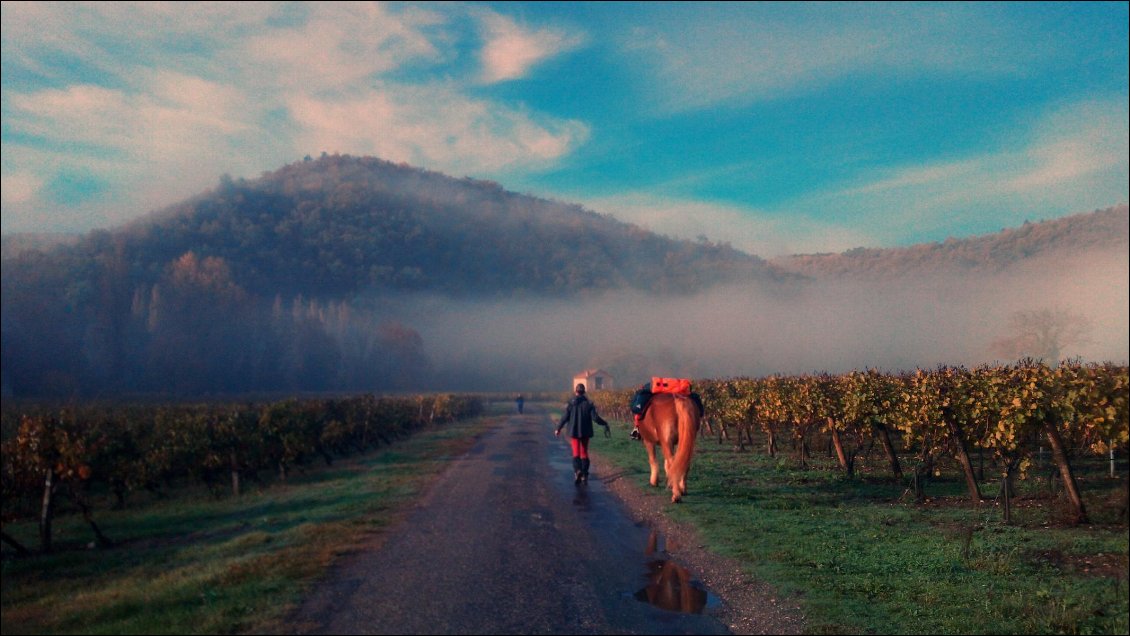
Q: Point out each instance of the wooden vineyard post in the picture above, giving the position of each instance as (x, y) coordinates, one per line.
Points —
(47, 510)
(1007, 500)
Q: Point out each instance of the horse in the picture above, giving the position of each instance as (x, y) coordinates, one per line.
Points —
(670, 420)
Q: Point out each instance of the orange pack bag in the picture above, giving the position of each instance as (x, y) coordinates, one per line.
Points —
(681, 386)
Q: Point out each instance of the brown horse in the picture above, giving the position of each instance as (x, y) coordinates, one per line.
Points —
(670, 420)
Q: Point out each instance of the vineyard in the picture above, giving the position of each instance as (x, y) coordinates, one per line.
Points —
(803, 485)
(65, 456)
(1000, 416)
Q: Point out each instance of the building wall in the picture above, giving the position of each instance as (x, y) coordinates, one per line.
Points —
(594, 382)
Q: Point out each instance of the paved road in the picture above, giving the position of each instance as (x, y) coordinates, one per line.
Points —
(504, 542)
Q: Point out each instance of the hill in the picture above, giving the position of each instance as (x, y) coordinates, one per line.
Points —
(283, 282)
(1101, 230)
(12, 245)
(341, 225)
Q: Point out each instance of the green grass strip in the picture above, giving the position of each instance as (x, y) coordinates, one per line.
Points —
(194, 564)
(861, 558)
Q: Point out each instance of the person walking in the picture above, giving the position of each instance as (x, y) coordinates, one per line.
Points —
(521, 402)
(579, 415)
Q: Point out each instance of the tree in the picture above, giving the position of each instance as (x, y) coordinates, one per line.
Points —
(1043, 334)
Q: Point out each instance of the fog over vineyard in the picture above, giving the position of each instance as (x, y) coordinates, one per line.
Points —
(757, 329)
(356, 274)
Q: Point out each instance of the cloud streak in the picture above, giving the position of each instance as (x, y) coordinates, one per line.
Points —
(1073, 159)
(718, 56)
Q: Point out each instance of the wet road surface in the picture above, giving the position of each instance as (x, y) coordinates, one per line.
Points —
(504, 542)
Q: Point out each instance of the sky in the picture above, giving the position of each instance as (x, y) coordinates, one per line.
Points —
(778, 128)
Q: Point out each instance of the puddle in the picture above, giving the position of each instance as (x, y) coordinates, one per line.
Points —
(670, 586)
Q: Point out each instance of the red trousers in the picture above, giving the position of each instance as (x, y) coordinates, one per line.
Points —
(580, 447)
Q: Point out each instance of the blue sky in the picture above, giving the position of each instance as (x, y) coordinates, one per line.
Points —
(779, 128)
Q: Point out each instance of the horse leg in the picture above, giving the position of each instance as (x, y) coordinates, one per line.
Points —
(653, 462)
(672, 480)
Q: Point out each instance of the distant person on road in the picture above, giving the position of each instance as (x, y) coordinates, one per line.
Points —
(520, 401)
(579, 415)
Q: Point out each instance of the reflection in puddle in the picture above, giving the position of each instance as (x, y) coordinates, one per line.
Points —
(669, 585)
(581, 499)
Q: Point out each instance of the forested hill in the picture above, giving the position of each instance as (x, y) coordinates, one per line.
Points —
(1098, 231)
(283, 283)
(340, 225)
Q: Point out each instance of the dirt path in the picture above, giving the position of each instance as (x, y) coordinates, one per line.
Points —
(504, 542)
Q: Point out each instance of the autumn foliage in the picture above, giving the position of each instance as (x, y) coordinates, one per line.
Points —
(125, 449)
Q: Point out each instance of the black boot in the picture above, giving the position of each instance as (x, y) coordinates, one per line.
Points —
(576, 470)
(585, 470)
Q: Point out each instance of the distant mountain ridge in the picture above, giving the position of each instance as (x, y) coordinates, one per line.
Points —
(1104, 229)
(15, 244)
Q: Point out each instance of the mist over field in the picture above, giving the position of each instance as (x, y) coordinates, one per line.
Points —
(758, 329)
(353, 274)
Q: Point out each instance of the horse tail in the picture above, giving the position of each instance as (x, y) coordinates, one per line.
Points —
(687, 421)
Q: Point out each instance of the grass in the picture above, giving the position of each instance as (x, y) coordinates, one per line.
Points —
(861, 557)
(196, 564)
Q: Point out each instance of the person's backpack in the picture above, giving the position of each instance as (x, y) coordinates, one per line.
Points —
(680, 386)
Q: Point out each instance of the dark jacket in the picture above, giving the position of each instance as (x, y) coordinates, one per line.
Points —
(579, 415)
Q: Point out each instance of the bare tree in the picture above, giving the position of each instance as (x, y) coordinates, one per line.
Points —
(1044, 334)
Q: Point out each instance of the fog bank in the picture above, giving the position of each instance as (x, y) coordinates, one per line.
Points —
(751, 330)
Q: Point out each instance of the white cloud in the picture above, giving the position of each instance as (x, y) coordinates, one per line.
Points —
(510, 51)
(146, 150)
(1072, 159)
(339, 46)
(177, 114)
(920, 176)
(158, 99)
(1076, 143)
(435, 127)
(19, 188)
(748, 52)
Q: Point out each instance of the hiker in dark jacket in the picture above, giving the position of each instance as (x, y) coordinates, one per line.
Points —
(579, 415)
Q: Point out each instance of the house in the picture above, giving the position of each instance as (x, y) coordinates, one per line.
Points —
(593, 379)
